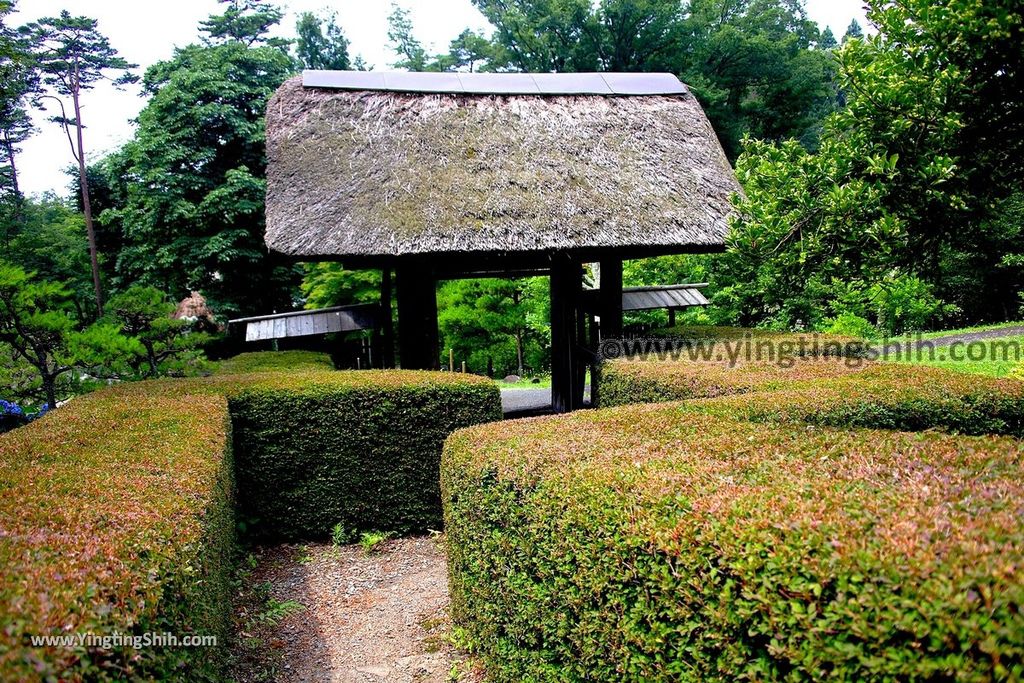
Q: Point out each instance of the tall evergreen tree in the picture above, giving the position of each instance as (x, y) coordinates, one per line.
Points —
(18, 79)
(192, 181)
(72, 56)
(321, 43)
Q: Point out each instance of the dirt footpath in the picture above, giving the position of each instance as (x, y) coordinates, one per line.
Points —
(326, 613)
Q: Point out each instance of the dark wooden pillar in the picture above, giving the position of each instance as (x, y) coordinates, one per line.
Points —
(387, 324)
(566, 281)
(418, 347)
(671, 317)
(610, 299)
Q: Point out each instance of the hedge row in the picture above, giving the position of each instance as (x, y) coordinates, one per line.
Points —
(634, 380)
(95, 539)
(360, 449)
(275, 361)
(888, 396)
(751, 536)
(117, 511)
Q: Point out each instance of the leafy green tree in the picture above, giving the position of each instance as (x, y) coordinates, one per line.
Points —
(144, 315)
(329, 284)
(244, 21)
(496, 325)
(40, 331)
(411, 53)
(321, 43)
(18, 79)
(854, 31)
(72, 56)
(828, 40)
(191, 183)
(51, 242)
(756, 65)
(905, 179)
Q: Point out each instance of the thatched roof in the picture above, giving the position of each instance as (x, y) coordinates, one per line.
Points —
(386, 172)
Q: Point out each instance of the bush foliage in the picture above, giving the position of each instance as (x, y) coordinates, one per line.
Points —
(117, 515)
(360, 449)
(116, 518)
(758, 535)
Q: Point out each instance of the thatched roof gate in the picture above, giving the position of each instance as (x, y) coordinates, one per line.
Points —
(461, 175)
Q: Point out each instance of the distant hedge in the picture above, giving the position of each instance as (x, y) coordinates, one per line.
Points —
(630, 380)
(738, 538)
(116, 518)
(360, 449)
(274, 361)
(117, 511)
(703, 362)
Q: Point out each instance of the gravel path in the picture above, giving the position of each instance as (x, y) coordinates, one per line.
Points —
(961, 337)
(365, 618)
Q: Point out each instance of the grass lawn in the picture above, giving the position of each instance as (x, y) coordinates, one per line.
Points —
(995, 357)
(526, 383)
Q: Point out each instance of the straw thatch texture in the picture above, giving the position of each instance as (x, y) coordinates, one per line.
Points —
(369, 173)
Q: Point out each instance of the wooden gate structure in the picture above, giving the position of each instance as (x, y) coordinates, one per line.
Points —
(452, 175)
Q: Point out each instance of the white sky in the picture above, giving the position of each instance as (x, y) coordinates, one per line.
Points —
(146, 31)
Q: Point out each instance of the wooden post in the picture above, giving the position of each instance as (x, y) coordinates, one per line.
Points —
(387, 324)
(565, 287)
(671, 317)
(418, 347)
(610, 299)
(451, 360)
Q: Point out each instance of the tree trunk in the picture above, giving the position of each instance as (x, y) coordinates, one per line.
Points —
(151, 358)
(50, 389)
(519, 353)
(86, 206)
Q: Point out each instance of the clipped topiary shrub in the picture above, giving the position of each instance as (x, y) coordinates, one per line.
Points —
(662, 543)
(632, 380)
(275, 361)
(360, 449)
(116, 519)
(887, 396)
(703, 362)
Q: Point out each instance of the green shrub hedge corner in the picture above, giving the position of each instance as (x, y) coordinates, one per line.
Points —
(653, 543)
(275, 361)
(360, 449)
(97, 539)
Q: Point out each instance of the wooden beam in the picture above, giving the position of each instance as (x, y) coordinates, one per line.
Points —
(418, 347)
(610, 299)
(566, 281)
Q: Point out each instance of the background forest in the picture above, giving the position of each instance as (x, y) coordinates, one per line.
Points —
(881, 169)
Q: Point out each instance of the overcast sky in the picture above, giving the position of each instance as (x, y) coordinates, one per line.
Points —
(145, 32)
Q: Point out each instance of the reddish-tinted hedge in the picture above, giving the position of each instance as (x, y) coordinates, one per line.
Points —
(116, 515)
(634, 380)
(116, 518)
(660, 543)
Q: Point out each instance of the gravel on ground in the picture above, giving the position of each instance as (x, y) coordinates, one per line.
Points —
(342, 614)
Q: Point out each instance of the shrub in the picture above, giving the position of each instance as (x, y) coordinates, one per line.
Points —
(117, 517)
(651, 381)
(360, 449)
(274, 361)
(96, 539)
(888, 396)
(662, 543)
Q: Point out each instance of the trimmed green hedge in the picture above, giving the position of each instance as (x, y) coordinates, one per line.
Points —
(737, 538)
(117, 511)
(98, 539)
(629, 381)
(360, 449)
(275, 361)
